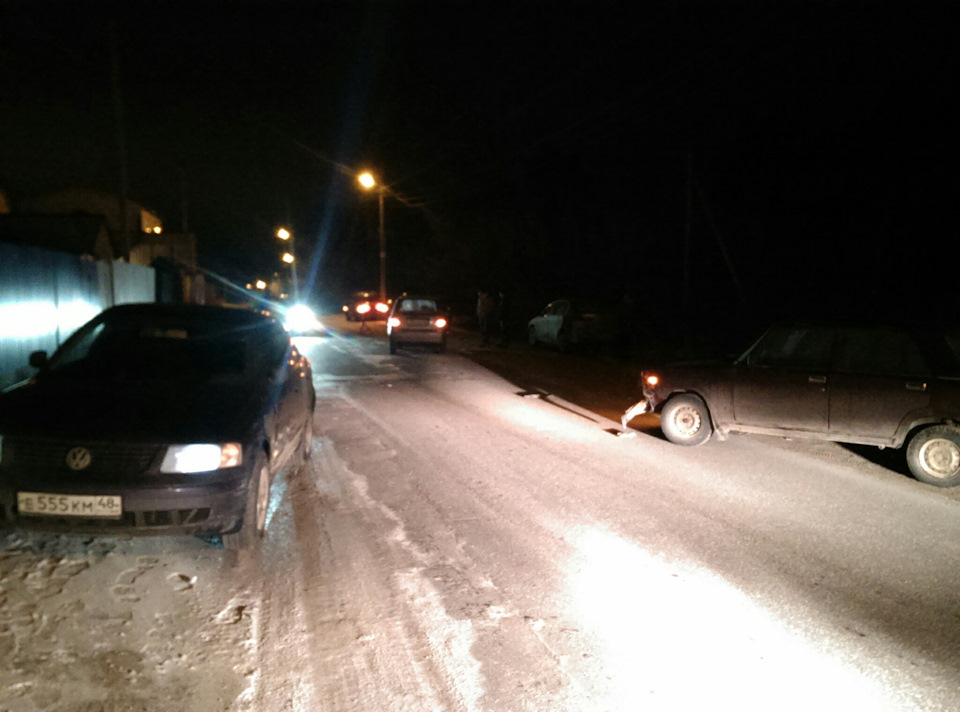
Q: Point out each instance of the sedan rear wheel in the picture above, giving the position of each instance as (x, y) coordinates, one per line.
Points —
(933, 455)
(254, 521)
(685, 420)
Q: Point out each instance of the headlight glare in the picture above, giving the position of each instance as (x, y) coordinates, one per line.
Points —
(201, 457)
(301, 318)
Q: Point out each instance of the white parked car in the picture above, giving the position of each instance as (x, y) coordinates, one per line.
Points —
(566, 326)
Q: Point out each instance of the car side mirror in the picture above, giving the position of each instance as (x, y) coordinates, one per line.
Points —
(38, 359)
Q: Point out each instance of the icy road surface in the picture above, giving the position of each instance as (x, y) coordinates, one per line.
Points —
(457, 543)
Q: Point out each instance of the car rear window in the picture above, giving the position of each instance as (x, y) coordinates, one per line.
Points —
(409, 306)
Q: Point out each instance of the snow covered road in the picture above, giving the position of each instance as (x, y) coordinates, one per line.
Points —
(457, 544)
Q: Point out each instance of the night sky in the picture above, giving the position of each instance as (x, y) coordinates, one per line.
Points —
(543, 148)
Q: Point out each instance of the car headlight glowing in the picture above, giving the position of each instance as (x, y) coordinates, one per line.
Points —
(363, 308)
(382, 308)
(652, 380)
(393, 322)
(301, 318)
(439, 322)
(201, 457)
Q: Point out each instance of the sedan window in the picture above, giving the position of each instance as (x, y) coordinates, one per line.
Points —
(880, 352)
(793, 347)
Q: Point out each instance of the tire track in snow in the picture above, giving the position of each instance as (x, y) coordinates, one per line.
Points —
(406, 651)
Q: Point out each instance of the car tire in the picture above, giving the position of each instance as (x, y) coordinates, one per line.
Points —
(563, 342)
(685, 420)
(393, 346)
(442, 347)
(254, 521)
(933, 455)
(306, 444)
(531, 336)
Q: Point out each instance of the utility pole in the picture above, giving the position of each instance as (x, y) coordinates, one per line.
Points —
(687, 234)
(383, 252)
(121, 139)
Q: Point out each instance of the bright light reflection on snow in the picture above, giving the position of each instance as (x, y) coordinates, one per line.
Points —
(671, 637)
(536, 416)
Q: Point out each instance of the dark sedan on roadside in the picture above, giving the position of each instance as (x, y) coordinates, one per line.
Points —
(156, 419)
(873, 385)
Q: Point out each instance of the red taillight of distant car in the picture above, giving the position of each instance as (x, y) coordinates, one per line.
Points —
(393, 322)
(440, 322)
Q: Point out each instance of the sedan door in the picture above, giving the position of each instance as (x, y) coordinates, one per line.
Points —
(782, 383)
(287, 398)
(880, 377)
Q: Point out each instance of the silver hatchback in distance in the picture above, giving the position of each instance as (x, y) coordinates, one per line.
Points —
(417, 320)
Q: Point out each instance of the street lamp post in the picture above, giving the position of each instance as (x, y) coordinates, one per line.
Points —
(368, 182)
(290, 258)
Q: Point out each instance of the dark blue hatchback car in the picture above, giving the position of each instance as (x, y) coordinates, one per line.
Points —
(156, 419)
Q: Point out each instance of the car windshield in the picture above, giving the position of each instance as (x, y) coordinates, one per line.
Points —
(168, 349)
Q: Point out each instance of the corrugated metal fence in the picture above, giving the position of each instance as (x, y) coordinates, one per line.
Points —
(45, 296)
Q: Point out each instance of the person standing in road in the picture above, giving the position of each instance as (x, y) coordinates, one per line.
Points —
(484, 313)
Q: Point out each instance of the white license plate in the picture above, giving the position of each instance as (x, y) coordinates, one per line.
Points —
(69, 505)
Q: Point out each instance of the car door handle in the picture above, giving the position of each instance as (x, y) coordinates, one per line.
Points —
(913, 386)
(817, 379)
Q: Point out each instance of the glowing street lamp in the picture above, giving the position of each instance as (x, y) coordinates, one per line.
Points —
(290, 258)
(368, 182)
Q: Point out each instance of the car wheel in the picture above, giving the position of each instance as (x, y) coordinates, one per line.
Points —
(442, 347)
(306, 444)
(254, 521)
(531, 336)
(685, 420)
(933, 455)
(563, 342)
(393, 346)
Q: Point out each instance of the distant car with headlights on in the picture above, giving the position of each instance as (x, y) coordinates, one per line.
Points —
(568, 325)
(881, 385)
(156, 419)
(417, 320)
(366, 306)
(300, 320)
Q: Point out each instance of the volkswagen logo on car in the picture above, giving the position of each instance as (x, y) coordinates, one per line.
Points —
(79, 458)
